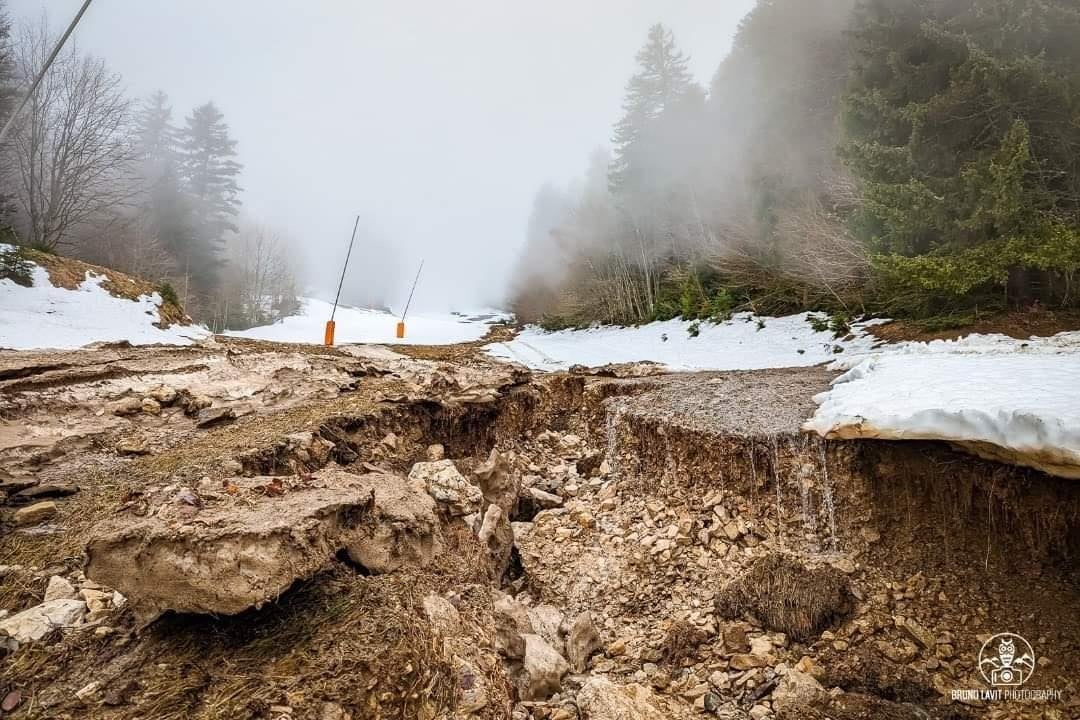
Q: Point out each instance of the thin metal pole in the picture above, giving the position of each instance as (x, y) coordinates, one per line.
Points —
(407, 304)
(41, 73)
(344, 268)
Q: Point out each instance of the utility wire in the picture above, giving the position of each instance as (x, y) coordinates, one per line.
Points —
(41, 73)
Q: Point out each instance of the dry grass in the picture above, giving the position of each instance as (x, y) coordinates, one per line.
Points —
(362, 642)
(69, 273)
(787, 597)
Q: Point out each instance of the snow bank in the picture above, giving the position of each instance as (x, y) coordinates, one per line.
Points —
(357, 325)
(45, 316)
(1011, 400)
(745, 342)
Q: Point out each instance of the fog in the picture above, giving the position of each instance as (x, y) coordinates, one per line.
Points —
(435, 122)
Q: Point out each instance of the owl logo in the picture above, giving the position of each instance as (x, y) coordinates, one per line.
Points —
(1006, 660)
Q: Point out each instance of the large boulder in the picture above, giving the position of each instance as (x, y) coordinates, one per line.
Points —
(402, 529)
(447, 486)
(542, 670)
(601, 699)
(242, 551)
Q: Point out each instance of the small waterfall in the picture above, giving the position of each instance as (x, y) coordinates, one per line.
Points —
(776, 481)
(612, 430)
(827, 492)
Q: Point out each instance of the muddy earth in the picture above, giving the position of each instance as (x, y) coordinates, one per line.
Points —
(250, 530)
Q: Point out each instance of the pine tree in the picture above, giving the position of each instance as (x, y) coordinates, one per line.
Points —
(660, 83)
(166, 205)
(209, 172)
(8, 93)
(961, 124)
(158, 139)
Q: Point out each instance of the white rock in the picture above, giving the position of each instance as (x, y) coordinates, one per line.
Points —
(37, 622)
(59, 589)
(601, 699)
(547, 621)
(447, 486)
(797, 689)
(542, 669)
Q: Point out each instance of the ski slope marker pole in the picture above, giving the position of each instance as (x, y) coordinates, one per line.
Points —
(328, 336)
(401, 325)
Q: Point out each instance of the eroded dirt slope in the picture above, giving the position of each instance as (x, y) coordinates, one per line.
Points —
(247, 530)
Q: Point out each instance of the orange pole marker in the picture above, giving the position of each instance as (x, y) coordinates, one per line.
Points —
(400, 330)
(328, 339)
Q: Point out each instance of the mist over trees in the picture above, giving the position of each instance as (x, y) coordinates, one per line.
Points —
(909, 157)
(91, 172)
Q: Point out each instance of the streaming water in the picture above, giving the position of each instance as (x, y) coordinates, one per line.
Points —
(827, 493)
(612, 430)
(776, 482)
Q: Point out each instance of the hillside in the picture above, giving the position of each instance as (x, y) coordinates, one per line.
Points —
(49, 301)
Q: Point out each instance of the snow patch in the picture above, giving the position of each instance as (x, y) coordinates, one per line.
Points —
(358, 325)
(745, 342)
(46, 316)
(1011, 400)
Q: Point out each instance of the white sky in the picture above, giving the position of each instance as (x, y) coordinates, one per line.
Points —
(436, 121)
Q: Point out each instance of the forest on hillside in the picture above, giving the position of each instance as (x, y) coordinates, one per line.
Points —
(119, 181)
(916, 158)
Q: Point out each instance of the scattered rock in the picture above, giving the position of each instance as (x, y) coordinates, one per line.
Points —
(193, 403)
(547, 621)
(216, 416)
(922, 637)
(44, 490)
(444, 617)
(511, 623)
(796, 690)
(544, 500)
(37, 622)
(34, 514)
(435, 452)
(447, 486)
(746, 661)
(601, 699)
(11, 701)
(163, 394)
(59, 589)
(471, 686)
(542, 669)
(582, 641)
(499, 484)
(497, 534)
(133, 446)
(125, 407)
(150, 406)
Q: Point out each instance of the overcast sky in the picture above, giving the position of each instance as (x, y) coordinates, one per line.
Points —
(435, 120)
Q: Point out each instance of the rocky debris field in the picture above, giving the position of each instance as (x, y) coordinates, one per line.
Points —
(247, 530)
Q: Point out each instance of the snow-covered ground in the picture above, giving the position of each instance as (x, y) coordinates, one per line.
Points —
(745, 342)
(1014, 400)
(357, 325)
(1009, 399)
(45, 316)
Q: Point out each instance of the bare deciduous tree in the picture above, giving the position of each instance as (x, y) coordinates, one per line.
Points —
(72, 159)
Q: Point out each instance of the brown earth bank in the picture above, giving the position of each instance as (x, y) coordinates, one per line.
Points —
(253, 530)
